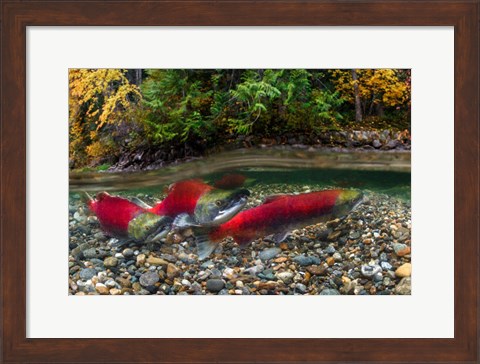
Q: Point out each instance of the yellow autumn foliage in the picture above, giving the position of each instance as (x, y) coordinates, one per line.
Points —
(375, 85)
(97, 97)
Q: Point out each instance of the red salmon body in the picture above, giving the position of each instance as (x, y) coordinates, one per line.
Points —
(182, 198)
(280, 214)
(114, 213)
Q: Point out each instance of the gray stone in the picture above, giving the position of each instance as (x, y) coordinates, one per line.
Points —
(378, 277)
(301, 287)
(386, 265)
(127, 253)
(91, 253)
(215, 285)
(330, 249)
(306, 260)
(391, 144)
(149, 278)
(87, 273)
(337, 256)
(269, 253)
(254, 270)
(329, 292)
(354, 235)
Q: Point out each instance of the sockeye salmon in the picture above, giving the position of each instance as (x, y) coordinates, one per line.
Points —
(127, 220)
(201, 204)
(132, 219)
(278, 215)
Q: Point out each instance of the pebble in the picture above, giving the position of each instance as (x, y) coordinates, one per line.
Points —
(401, 249)
(270, 253)
(286, 277)
(354, 235)
(386, 265)
(330, 249)
(127, 253)
(370, 270)
(317, 270)
(229, 273)
(404, 287)
(254, 270)
(136, 286)
(149, 278)
(186, 258)
(301, 287)
(110, 262)
(334, 235)
(172, 271)
(215, 285)
(87, 273)
(337, 256)
(101, 288)
(110, 283)
(329, 292)
(92, 253)
(124, 282)
(141, 259)
(115, 291)
(305, 260)
(156, 261)
(405, 270)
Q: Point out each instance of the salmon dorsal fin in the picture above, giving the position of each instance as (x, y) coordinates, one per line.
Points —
(272, 198)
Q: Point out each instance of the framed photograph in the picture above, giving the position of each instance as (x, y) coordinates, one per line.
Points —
(240, 182)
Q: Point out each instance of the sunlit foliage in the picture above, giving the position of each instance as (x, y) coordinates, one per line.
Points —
(378, 88)
(101, 101)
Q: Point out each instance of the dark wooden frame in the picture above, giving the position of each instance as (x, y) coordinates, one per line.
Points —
(17, 15)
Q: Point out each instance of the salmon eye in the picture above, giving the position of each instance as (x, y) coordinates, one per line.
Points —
(218, 203)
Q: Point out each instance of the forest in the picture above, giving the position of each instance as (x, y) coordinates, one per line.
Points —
(117, 111)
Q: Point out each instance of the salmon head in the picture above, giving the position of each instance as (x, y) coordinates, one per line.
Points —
(214, 208)
(219, 206)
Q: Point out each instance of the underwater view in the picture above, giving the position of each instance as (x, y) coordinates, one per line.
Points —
(320, 209)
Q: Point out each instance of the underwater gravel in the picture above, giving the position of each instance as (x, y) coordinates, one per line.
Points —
(366, 253)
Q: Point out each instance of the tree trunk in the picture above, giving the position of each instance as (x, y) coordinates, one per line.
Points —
(138, 76)
(379, 109)
(358, 105)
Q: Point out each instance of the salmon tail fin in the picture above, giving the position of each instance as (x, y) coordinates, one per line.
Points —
(205, 246)
(183, 221)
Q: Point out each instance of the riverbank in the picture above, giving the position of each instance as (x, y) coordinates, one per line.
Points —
(366, 253)
(143, 159)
